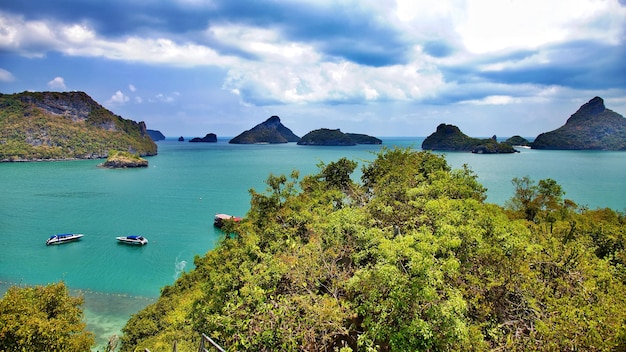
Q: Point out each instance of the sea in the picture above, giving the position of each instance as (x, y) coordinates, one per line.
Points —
(172, 203)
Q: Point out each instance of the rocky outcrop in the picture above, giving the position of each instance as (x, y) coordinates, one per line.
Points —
(592, 127)
(209, 138)
(124, 160)
(61, 126)
(517, 141)
(334, 137)
(155, 135)
(450, 138)
(181, 139)
(270, 131)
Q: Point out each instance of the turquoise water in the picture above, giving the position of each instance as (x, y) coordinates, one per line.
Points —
(172, 203)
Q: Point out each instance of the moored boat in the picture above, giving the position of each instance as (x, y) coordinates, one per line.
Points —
(63, 238)
(133, 239)
(221, 218)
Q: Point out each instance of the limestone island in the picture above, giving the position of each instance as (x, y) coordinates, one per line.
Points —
(517, 141)
(450, 138)
(592, 127)
(65, 125)
(334, 137)
(123, 160)
(155, 135)
(271, 131)
(209, 138)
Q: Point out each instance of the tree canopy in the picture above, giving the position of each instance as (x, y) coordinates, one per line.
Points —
(409, 259)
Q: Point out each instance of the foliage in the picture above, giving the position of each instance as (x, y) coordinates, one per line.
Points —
(450, 138)
(409, 259)
(34, 127)
(42, 318)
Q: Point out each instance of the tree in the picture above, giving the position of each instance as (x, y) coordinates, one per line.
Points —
(42, 318)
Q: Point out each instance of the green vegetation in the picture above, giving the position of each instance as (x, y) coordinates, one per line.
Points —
(329, 137)
(269, 131)
(120, 159)
(410, 259)
(52, 126)
(450, 138)
(42, 318)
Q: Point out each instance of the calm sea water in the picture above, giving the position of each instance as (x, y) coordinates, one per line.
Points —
(172, 203)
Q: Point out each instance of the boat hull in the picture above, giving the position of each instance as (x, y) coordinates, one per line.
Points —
(133, 240)
(63, 238)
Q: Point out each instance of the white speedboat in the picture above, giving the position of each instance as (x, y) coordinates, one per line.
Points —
(63, 238)
(133, 239)
(219, 219)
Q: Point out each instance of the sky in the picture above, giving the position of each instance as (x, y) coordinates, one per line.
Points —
(379, 67)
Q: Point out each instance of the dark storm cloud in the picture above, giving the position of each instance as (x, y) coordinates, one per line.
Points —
(337, 31)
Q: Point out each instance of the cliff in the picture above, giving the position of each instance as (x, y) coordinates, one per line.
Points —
(270, 131)
(450, 138)
(330, 137)
(70, 125)
(592, 127)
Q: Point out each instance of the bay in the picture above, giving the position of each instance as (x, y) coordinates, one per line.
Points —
(173, 201)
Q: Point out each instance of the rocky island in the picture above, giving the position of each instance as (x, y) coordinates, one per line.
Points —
(592, 127)
(271, 131)
(334, 137)
(123, 160)
(155, 135)
(62, 126)
(209, 138)
(450, 138)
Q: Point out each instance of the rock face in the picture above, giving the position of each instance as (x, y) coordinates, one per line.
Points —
(270, 131)
(450, 138)
(209, 138)
(330, 137)
(124, 160)
(592, 127)
(155, 135)
(60, 126)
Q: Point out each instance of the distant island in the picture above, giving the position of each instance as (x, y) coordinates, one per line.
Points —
(62, 126)
(155, 135)
(123, 160)
(334, 137)
(517, 141)
(450, 138)
(592, 127)
(209, 138)
(271, 131)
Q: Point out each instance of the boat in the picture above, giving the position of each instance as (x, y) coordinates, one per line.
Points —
(63, 238)
(221, 218)
(133, 239)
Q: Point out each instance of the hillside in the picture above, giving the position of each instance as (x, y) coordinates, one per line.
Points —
(409, 259)
(592, 127)
(269, 131)
(334, 137)
(450, 138)
(70, 125)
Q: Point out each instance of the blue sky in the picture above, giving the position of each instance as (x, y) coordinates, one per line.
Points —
(381, 67)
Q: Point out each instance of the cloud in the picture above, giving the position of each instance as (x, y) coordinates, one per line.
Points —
(118, 98)
(58, 83)
(132, 88)
(6, 76)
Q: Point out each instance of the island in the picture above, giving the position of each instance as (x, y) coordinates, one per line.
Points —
(450, 138)
(517, 141)
(65, 125)
(181, 139)
(123, 160)
(334, 137)
(271, 131)
(209, 138)
(592, 127)
(155, 135)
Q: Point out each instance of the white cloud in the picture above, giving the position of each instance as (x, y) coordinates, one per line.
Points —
(132, 88)
(497, 25)
(493, 100)
(6, 76)
(118, 98)
(58, 83)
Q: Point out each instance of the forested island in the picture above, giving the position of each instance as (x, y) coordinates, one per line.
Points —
(61, 126)
(450, 138)
(270, 131)
(410, 258)
(334, 137)
(592, 127)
